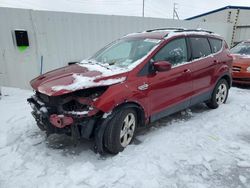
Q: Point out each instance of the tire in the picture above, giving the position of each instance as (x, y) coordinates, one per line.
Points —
(219, 95)
(120, 130)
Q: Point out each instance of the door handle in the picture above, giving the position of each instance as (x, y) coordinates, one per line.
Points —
(216, 61)
(187, 71)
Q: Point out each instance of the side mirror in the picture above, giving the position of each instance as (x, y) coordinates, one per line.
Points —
(162, 66)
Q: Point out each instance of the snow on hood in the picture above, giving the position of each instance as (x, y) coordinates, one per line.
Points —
(75, 77)
(81, 81)
(87, 82)
(105, 69)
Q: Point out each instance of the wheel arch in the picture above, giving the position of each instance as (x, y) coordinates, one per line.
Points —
(227, 77)
(139, 110)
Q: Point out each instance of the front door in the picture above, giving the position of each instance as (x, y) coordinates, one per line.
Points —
(170, 91)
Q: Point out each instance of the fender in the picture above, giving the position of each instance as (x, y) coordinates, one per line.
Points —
(118, 95)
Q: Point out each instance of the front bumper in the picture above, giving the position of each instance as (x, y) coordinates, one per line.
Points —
(241, 77)
(53, 122)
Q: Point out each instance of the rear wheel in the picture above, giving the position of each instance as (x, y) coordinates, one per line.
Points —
(219, 95)
(120, 130)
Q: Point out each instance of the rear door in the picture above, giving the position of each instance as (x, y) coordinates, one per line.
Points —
(203, 68)
(170, 91)
(217, 47)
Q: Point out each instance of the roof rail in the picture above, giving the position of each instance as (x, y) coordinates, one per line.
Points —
(166, 28)
(194, 30)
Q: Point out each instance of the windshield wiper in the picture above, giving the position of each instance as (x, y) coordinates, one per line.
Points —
(98, 63)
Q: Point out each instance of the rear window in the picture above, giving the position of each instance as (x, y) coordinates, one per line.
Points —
(200, 47)
(216, 44)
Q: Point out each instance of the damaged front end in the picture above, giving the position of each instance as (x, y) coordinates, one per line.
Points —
(73, 114)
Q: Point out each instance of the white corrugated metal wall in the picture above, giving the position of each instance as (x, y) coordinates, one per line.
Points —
(62, 37)
(238, 17)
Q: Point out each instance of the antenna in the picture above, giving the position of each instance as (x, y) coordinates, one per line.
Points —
(175, 14)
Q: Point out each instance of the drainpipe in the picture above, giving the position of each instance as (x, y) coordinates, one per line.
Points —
(235, 27)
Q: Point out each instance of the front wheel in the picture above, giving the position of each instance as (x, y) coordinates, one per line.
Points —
(219, 95)
(120, 130)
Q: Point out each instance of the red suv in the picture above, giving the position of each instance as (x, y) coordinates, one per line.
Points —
(132, 82)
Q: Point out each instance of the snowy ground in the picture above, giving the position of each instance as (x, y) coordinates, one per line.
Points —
(195, 148)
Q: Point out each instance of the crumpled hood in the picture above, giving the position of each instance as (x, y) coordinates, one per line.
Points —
(75, 77)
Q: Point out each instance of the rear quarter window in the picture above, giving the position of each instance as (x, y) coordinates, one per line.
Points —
(200, 47)
(216, 44)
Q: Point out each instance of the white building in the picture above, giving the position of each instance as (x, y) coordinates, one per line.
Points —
(237, 15)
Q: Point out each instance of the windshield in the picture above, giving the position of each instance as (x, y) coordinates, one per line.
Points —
(123, 53)
(241, 48)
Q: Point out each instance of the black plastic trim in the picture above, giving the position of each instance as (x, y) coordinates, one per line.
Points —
(170, 110)
(181, 106)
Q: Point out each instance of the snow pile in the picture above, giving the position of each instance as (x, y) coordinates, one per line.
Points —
(196, 148)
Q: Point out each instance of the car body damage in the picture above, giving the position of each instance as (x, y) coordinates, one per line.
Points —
(66, 110)
(57, 114)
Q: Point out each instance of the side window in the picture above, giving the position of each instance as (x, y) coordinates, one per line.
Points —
(216, 44)
(175, 52)
(200, 47)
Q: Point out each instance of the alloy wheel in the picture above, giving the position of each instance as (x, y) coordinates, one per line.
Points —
(127, 130)
(221, 94)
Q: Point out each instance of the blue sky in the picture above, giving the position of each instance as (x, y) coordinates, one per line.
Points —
(153, 8)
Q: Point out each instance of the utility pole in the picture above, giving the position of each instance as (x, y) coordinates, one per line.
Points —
(175, 14)
(143, 3)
